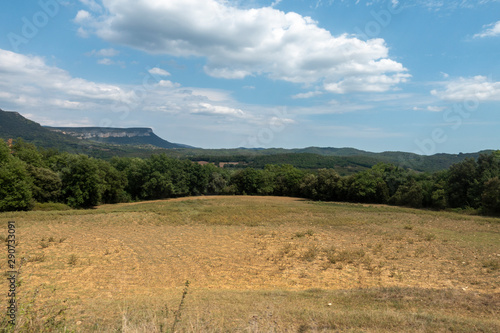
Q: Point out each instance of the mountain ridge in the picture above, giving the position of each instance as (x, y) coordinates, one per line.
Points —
(13, 125)
(106, 142)
(117, 135)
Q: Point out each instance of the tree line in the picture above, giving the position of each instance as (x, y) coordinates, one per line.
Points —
(29, 175)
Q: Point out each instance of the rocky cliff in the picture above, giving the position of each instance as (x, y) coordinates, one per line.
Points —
(127, 136)
(103, 132)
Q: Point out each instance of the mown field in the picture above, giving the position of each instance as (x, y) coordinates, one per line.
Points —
(255, 264)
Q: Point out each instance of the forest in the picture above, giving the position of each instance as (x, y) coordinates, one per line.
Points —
(33, 178)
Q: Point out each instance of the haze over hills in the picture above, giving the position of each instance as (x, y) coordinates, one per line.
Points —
(142, 142)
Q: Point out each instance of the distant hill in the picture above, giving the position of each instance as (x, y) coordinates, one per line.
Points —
(118, 136)
(142, 142)
(410, 160)
(13, 126)
(95, 141)
(343, 160)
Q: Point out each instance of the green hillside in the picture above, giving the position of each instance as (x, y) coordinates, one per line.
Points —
(13, 126)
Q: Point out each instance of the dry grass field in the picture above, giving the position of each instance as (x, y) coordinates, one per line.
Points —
(256, 264)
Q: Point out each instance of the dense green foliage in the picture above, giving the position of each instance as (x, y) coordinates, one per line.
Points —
(15, 191)
(29, 175)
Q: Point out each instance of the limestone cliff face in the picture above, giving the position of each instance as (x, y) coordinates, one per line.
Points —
(137, 136)
(103, 132)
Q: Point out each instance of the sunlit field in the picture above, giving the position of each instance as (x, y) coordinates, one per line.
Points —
(256, 264)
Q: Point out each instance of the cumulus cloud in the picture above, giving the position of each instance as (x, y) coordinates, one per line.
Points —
(158, 71)
(433, 108)
(309, 94)
(490, 30)
(29, 77)
(210, 109)
(104, 53)
(475, 88)
(82, 16)
(105, 61)
(247, 42)
(92, 5)
(168, 84)
(29, 83)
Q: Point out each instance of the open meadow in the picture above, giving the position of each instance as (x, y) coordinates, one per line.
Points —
(255, 264)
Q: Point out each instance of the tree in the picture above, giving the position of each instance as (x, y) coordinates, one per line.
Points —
(367, 186)
(251, 181)
(47, 184)
(197, 177)
(308, 186)
(491, 195)
(113, 183)
(286, 179)
(81, 184)
(410, 194)
(217, 180)
(28, 153)
(392, 175)
(461, 183)
(136, 170)
(15, 184)
(328, 186)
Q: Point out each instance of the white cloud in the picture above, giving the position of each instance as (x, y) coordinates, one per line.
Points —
(438, 5)
(217, 110)
(158, 71)
(332, 107)
(29, 76)
(282, 46)
(82, 33)
(105, 61)
(168, 84)
(50, 121)
(490, 30)
(104, 53)
(372, 83)
(309, 94)
(28, 84)
(433, 5)
(436, 108)
(211, 94)
(109, 62)
(82, 16)
(92, 5)
(476, 88)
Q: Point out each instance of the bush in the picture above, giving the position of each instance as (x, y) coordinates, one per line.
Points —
(50, 206)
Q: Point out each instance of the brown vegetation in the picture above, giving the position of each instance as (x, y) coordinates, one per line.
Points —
(260, 264)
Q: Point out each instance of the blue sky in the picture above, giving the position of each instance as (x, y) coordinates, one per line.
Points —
(420, 76)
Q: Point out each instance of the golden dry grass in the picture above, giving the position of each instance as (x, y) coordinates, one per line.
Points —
(260, 264)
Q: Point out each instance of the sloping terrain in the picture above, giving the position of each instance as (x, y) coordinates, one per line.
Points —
(13, 126)
(261, 264)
